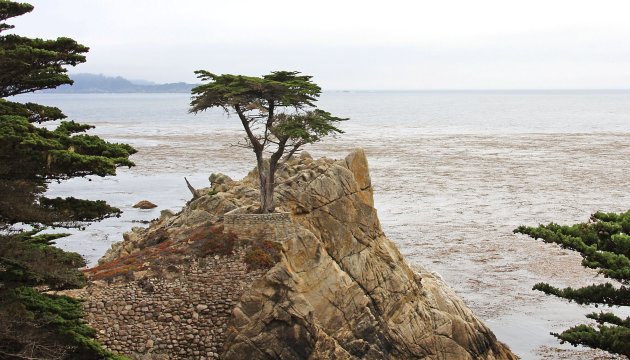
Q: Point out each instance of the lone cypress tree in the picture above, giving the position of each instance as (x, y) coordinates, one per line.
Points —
(277, 112)
(604, 243)
(32, 323)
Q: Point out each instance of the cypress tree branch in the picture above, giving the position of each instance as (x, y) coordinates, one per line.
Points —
(605, 294)
(609, 318)
(604, 244)
(615, 339)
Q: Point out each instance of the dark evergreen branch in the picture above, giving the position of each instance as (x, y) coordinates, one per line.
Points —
(610, 318)
(605, 294)
(29, 262)
(604, 245)
(615, 339)
(35, 113)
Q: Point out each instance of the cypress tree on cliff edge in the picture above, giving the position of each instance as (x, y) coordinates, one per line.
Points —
(278, 114)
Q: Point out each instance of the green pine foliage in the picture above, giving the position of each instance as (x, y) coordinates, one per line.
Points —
(35, 325)
(28, 259)
(51, 326)
(604, 244)
(605, 294)
(35, 113)
(278, 114)
(614, 339)
(30, 155)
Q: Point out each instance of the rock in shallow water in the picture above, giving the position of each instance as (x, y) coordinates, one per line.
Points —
(144, 204)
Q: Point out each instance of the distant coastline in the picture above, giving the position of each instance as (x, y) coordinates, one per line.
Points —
(99, 84)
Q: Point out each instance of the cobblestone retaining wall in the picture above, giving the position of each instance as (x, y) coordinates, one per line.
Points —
(175, 316)
(273, 226)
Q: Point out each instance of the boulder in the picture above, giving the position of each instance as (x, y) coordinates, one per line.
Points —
(144, 204)
(166, 213)
(218, 178)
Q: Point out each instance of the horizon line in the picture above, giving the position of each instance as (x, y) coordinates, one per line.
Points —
(478, 90)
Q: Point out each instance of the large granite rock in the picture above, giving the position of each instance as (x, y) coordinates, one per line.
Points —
(341, 289)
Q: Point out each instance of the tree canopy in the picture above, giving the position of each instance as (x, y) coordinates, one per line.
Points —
(278, 114)
(33, 64)
(31, 155)
(32, 323)
(604, 243)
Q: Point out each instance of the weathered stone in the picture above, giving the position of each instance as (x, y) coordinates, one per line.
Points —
(144, 204)
(166, 214)
(305, 155)
(357, 163)
(216, 179)
(340, 289)
(343, 288)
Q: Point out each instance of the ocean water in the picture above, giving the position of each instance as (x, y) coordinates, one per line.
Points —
(454, 173)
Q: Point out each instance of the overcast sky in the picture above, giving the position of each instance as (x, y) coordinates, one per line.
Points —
(438, 44)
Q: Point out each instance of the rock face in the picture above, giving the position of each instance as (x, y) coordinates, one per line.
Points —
(341, 289)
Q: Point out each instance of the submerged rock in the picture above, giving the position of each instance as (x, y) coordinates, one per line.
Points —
(340, 288)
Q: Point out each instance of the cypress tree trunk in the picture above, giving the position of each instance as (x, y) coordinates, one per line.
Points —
(268, 206)
(267, 185)
(263, 178)
(266, 177)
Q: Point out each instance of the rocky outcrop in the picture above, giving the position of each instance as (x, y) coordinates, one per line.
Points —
(340, 289)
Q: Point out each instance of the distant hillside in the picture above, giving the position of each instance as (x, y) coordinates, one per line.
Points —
(92, 83)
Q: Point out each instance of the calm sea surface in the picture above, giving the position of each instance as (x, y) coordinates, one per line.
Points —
(454, 173)
(445, 112)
